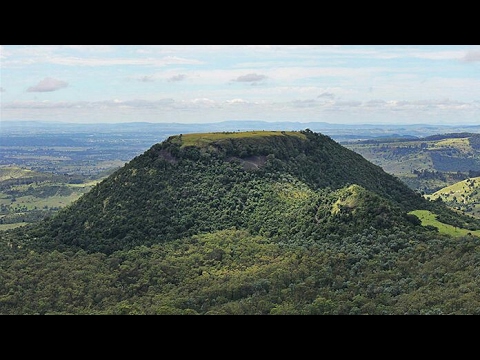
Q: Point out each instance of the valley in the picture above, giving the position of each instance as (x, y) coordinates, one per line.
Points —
(427, 164)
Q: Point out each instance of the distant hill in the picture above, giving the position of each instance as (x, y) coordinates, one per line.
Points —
(244, 222)
(425, 164)
(463, 196)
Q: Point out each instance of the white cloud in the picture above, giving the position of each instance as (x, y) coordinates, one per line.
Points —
(203, 101)
(175, 78)
(236, 101)
(250, 78)
(326, 95)
(79, 61)
(48, 84)
(163, 82)
(146, 78)
(472, 56)
(91, 48)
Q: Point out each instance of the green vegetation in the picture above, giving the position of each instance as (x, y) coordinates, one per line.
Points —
(463, 196)
(13, 172)
(425, 164)
(430, 219)
(28, 196)
(241, 224)
(204, 139)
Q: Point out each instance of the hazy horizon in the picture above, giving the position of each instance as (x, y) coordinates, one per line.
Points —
(336, 84)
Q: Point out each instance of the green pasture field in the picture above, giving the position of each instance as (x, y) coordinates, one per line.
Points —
(429, 218)
(463, 195)
(21, 204)
(13, 172)
(11, 226)
(459, 189)
(462, 144)
(31, 202)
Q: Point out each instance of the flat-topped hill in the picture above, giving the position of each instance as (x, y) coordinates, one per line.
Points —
(244, 223)
(267, 181)
(205, 139)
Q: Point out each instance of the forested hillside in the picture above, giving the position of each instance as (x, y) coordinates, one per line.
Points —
(265, 222)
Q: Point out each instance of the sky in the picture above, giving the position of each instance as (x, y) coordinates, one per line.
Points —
(340, 84)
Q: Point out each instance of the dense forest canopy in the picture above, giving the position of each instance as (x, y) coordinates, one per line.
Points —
(259, 222)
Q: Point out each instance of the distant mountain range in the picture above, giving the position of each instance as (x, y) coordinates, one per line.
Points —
(339, 132)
